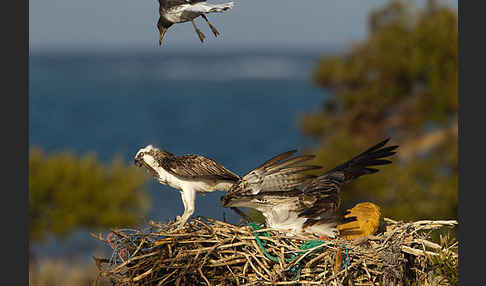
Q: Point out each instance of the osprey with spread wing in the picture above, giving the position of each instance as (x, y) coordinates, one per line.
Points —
(179, 11)
(188, 174)
(274, 189)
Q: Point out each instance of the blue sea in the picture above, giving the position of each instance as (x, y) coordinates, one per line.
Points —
(238, 108)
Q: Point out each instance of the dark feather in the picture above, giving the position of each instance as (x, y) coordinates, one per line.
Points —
(286, 182)
(325, 188)
(289, 163)
(357, 166)
(274, 175)
(197, 167)
(276, 159)
(298, 169)
(278, 175)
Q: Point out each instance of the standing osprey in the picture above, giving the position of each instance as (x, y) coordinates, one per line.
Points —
(179, 11)
(188, 174)
(312, 209)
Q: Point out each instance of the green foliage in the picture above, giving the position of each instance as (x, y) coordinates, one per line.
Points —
(401, 82)
(67, 192)
(48, 272)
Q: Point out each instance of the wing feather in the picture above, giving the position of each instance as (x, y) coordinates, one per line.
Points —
(277, 174)
(289, 163)
(204, 7)
(325, 188)
(324, 191)
(172, 3)
(197, 167)
(276, 159)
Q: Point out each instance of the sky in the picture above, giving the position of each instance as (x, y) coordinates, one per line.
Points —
(127, 24)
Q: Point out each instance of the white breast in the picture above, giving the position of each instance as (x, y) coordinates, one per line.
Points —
(328, 229)
(165, 177)
(280, 217)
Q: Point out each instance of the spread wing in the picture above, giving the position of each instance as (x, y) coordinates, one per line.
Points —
(197, 167)
(172, 3)
(321, 196)
(198, 8)
(276, 174)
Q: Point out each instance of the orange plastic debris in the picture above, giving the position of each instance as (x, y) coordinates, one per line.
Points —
(367, 221)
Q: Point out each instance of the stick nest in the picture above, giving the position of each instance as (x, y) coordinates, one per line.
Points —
(212, 252)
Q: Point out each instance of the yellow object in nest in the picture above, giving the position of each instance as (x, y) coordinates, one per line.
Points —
(367, 221)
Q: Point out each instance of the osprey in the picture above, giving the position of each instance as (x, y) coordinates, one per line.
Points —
(311, 209)
(188, 174)
(179, 11)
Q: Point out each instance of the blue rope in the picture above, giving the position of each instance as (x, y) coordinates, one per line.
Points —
(347, 257)
(304, 246)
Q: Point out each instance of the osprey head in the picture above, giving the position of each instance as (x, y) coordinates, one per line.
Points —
(233, 194)
(162, 25)
(148, 157)
(239, 196)
(142, 153)
(226, 200)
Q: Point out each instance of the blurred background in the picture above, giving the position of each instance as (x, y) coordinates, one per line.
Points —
(329, 78)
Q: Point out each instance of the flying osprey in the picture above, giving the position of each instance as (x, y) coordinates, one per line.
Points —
(179, 11)
(188, 174)
(312, 209)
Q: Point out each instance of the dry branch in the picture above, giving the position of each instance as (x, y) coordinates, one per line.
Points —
(211, 252)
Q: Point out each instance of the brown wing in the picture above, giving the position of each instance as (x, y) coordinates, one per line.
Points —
(276, 174)
(197, 167)
(321, 196)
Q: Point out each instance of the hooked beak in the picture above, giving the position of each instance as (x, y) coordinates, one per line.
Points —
(226, 201)
(137, 162)
(233, 201)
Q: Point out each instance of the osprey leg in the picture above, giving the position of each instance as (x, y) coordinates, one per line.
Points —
(215, 32)
(199, 33)
(179, 218)
(189, 199)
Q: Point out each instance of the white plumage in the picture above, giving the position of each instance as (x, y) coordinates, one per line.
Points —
(277, 190)
(188, 12)
(188, 174)
(180, 11)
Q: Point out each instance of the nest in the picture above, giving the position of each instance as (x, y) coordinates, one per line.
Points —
(212, 252)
